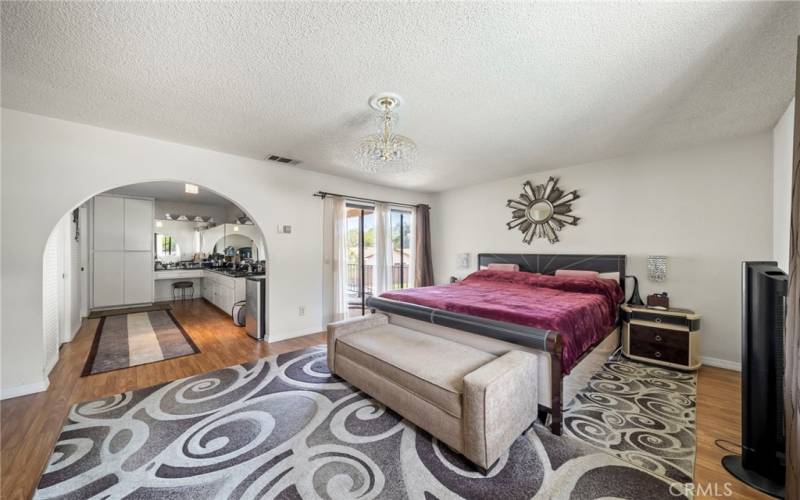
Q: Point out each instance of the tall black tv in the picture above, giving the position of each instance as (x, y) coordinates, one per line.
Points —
(762, 463)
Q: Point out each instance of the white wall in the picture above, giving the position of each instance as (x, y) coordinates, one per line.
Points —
(707, 209)
(49, 166)
(782, 149)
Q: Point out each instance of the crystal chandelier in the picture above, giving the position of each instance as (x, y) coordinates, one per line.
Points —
(386, 152)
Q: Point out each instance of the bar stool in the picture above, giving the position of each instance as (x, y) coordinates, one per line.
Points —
(182, 286)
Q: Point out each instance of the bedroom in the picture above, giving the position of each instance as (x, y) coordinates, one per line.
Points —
(673, 122)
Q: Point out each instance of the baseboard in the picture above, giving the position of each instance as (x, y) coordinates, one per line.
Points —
(24, 390)
(722, 363)
(295, 334)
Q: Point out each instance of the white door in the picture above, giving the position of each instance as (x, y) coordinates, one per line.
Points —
(138, 224)
(109, 223)
(109, 276)
(138, 279)
(50, 300)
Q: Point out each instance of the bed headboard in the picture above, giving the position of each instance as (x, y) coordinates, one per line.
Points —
(548, 263)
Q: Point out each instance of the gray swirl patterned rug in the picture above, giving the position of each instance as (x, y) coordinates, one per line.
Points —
(284, 428)
(641, 413)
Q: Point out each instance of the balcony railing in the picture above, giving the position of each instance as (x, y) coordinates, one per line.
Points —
(354, 278)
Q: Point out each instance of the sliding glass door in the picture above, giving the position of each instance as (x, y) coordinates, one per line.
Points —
(360, 257)
(362, 260)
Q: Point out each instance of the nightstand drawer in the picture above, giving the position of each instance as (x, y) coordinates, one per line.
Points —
(659, 344)
(657, 317)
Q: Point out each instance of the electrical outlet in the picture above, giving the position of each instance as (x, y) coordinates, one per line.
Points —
(302, 310)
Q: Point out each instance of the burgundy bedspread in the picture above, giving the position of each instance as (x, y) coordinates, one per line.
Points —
(581, 309)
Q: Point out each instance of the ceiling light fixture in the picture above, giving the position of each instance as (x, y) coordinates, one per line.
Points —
(192, 189)
(386, 152)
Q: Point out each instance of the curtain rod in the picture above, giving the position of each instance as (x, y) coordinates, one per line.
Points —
(324, 194)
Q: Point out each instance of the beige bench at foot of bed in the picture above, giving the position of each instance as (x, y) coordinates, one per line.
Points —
(475, 402)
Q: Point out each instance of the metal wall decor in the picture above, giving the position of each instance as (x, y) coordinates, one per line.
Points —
(542, 210)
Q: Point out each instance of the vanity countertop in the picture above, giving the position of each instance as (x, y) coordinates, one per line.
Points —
(199, 272)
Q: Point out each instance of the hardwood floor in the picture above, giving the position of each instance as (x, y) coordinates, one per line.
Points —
(29, 425)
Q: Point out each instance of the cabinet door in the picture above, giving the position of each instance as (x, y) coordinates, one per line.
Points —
(226, 299)
(138, 224)
(108, 272)
(138, 280)
(109, 222)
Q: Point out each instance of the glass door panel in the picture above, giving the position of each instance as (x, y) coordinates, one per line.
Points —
(360, 257)
(401, 251)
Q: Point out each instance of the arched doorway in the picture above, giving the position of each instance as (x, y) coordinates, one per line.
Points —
(70, 285)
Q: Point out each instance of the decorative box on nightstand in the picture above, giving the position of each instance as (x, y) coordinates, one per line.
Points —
(669, 337)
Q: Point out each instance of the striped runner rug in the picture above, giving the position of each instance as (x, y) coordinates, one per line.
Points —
(126, 340)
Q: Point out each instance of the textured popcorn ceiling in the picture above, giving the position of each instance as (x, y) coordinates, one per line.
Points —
(491, 90)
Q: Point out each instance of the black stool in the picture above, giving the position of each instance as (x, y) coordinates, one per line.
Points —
(182, 286)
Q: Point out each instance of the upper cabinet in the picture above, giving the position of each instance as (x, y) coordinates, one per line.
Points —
(109, 231)
(138, 224)
(122, 251)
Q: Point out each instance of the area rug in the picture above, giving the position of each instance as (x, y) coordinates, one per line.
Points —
(283, 427)
(126, 340)
(641, 413)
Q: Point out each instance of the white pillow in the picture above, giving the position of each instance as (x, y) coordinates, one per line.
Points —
(609, 276)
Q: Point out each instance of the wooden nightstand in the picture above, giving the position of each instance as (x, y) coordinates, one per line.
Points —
(668, 337)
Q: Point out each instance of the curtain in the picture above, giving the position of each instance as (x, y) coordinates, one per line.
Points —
(382, 269)
(791, 381)
(334, 256)
(412, 247)
(423, 275)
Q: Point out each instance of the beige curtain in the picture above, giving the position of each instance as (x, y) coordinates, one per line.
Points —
(423, 275)
(382, 269)
(334, 255)
(791, 381)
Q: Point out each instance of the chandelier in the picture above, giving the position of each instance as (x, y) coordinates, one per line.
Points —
(386, 152)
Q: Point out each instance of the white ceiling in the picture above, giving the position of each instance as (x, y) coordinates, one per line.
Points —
(491, 89)
(174, 192)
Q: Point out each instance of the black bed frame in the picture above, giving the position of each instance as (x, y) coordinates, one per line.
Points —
(544, 340)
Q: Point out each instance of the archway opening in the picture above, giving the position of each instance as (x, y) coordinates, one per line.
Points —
(145, 246)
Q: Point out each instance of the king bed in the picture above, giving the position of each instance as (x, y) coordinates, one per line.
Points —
(571, 323)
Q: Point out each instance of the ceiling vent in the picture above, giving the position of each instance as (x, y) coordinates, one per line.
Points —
(281, 159)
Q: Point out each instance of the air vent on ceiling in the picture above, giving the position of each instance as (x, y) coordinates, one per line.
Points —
(281, 159)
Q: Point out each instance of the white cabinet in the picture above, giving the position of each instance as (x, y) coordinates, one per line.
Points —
(109, 214)
(122, 251)
(108, 278)
(138, 283)
(138, 224)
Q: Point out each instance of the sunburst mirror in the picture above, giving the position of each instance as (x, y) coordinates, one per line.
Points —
(542, 210)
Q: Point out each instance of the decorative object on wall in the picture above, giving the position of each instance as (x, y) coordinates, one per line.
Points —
(462, 260)
(542, 210)
(657, 267)
(386, 152)
(187, 218)
(636, 299)
(243, 219)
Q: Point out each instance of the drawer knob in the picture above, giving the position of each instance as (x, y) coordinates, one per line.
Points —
(658, 338)
(657, 354)
(658, 319)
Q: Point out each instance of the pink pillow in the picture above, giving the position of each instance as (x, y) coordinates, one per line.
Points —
(503, 267)
(577, 274)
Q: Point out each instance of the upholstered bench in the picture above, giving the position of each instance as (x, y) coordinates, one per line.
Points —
(473, 401)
